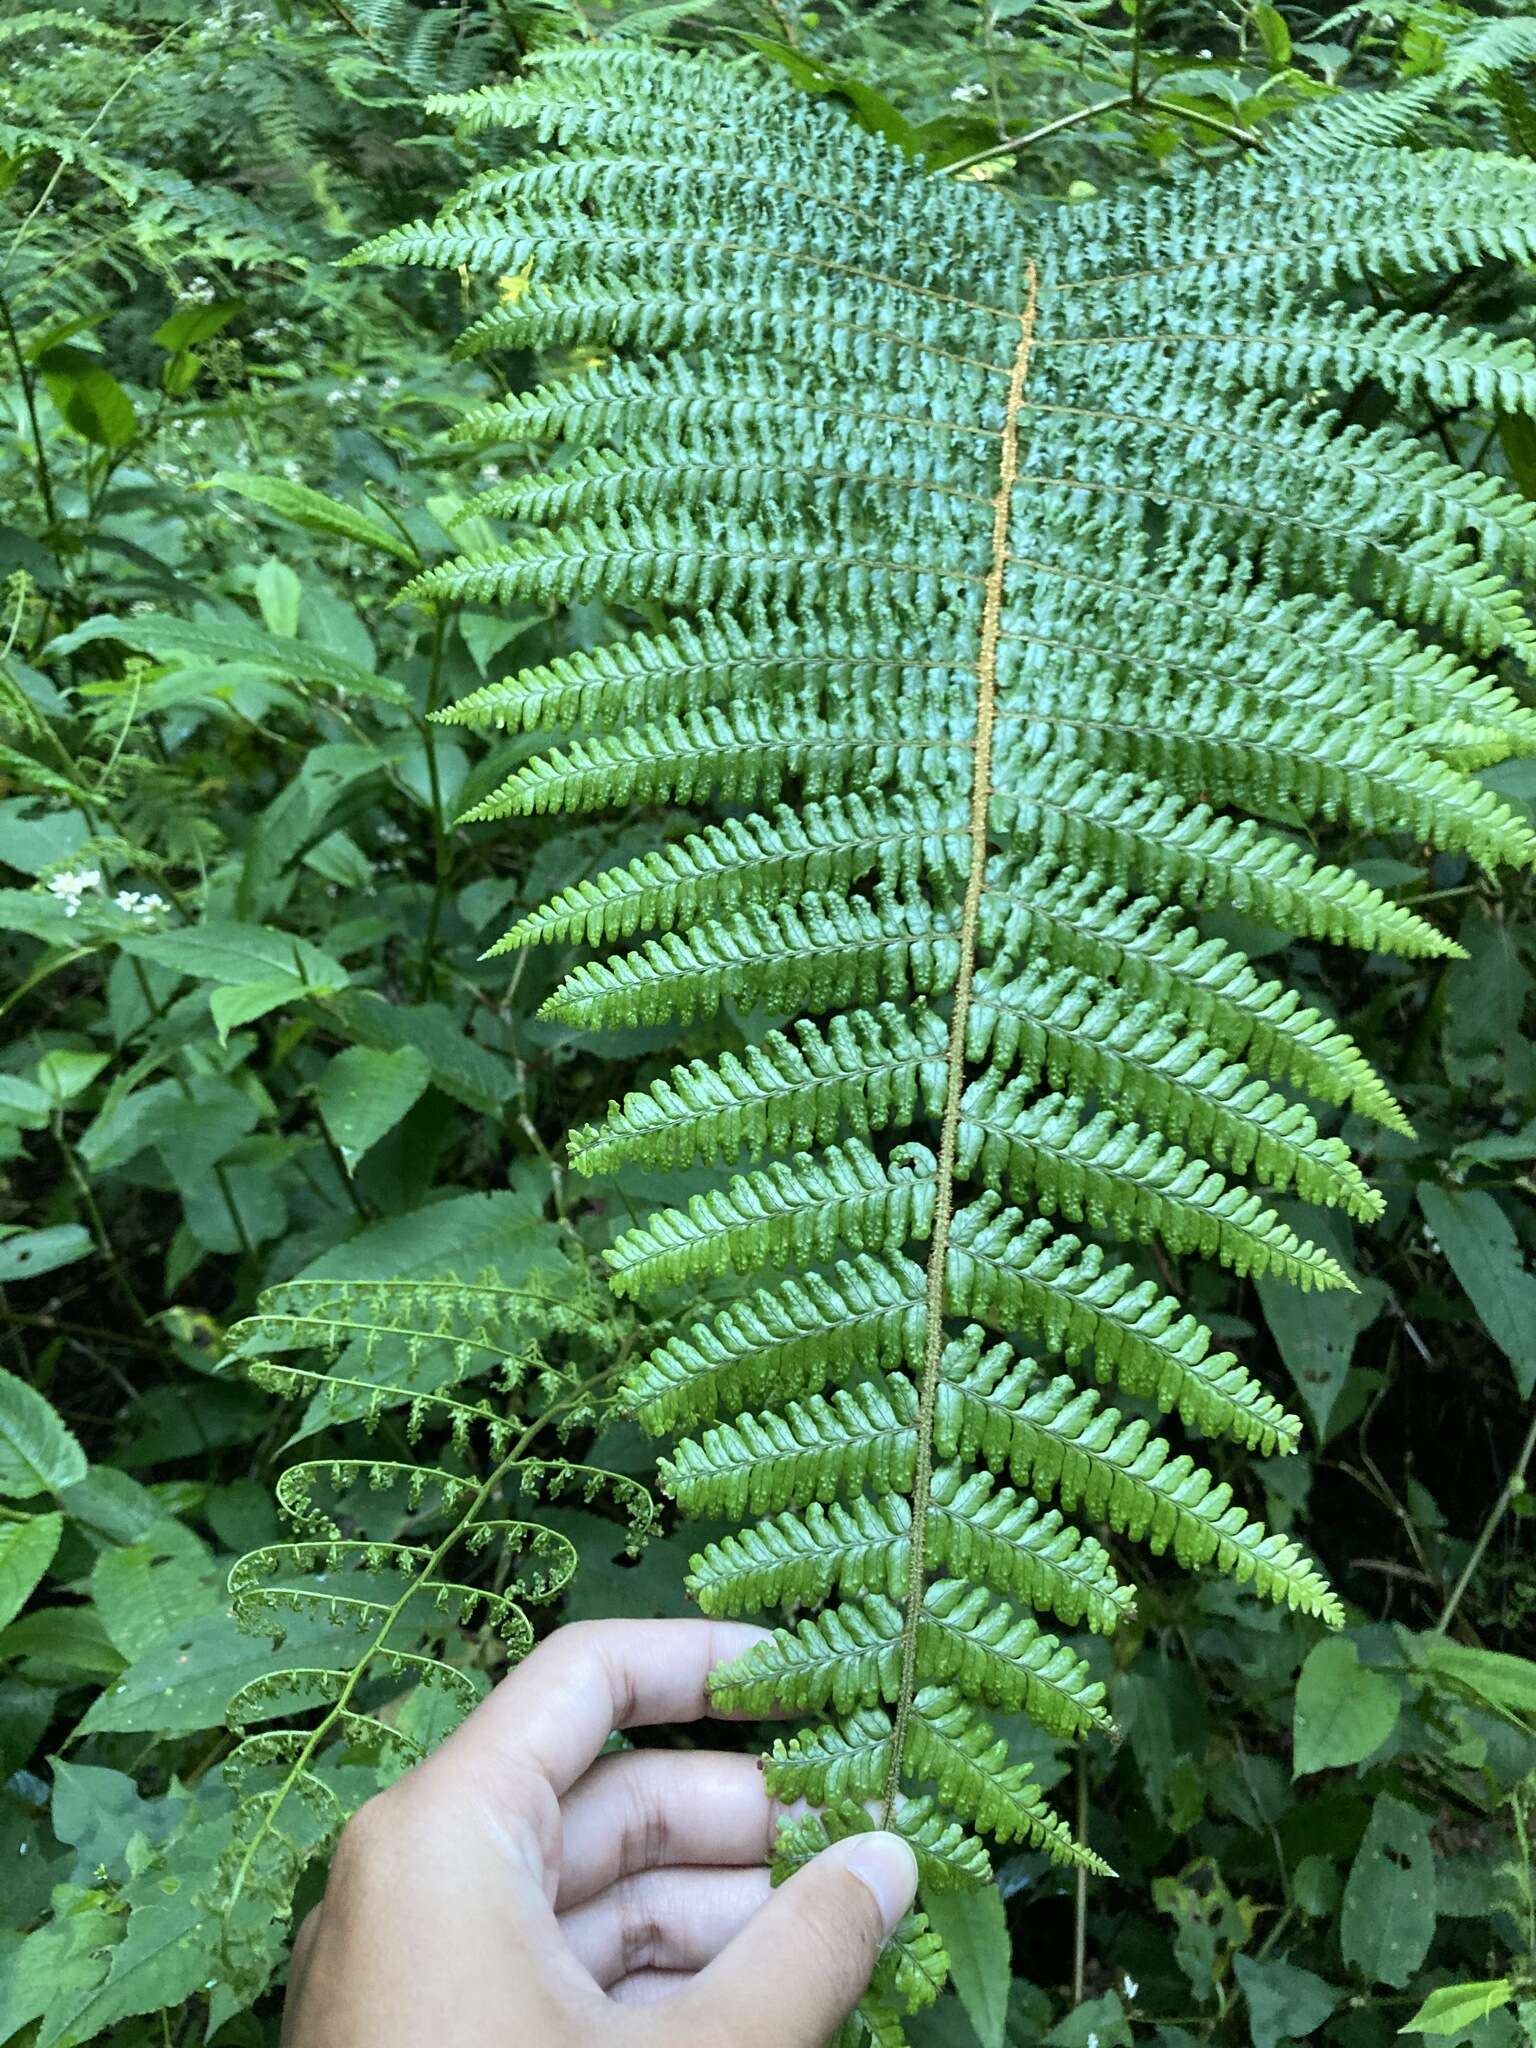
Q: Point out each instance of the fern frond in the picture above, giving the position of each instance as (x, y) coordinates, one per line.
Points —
(1015, 594)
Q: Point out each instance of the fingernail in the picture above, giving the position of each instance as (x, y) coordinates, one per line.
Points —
(886, 1864)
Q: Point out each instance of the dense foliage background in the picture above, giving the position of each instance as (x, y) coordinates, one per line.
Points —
(276, 1136)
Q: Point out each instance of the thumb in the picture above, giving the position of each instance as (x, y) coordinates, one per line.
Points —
(801, 1963)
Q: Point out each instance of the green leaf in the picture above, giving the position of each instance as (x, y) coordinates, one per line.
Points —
(279, 594)
(1315, 1333)
(1284, 2003)
(148, 1590)
(241, 954)
(187, 1681)
(64, 1642)
(1344, 1712)
(1273, 33)
(1388, 1918)
(1484, 1253)
(301, 506)
(38, 1454)
(31, 1252)
(974, 1930)
(363, 1093)
(88, 396)
(189, 325)
(63, 1074)
(1504, 1682)
(1517, 438)
(461, 1068)
(871, 109)
(1456, 2007)
(26, 1551)
(164, 1957)
(232, 1007)
(235, 643)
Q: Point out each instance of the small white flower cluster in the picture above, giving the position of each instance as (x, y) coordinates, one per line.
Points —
(963, 94)
(489, 473)
(200, 292)
(72, 886)
(135, 905)
(1131, 1986)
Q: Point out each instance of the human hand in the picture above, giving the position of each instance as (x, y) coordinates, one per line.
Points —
(518, 1891)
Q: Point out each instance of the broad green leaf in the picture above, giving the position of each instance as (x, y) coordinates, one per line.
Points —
(463, 1069)
(1517, 438)
(23, 1103)
(38, 1454)
(232, 1007)
(1388, 1917)
(32, 1252)
(189, 325)
(67, 1642)
(1284, 2003)
(363, 1093)
(279, 594)
(164, 1958)
(98, 1812)
(301, 506)
(1273, 33)
(1480, 1242)
(1344, 1712)
(239, 954)
(113, 1504)
(149, 1589)
(1315, 1333)
(237, 643)
(974, 1930)
(871, 109)
(1455, 2007)
(26, 1551)
(64, 1074)
(88, 396)
(186, 1682)
(1505, 1682)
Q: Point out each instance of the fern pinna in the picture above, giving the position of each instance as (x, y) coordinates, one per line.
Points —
(1006, 597)
(407, 1575)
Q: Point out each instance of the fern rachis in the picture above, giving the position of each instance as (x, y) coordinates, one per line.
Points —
(1019, 613)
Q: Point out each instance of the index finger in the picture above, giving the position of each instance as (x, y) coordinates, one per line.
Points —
(556, 1710)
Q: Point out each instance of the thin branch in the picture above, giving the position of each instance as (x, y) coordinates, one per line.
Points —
(1512, 1488)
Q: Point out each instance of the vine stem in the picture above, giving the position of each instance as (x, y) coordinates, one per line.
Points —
(959, 1032)
(1513, 1486)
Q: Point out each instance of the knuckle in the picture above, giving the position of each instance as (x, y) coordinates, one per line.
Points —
(642, 1937)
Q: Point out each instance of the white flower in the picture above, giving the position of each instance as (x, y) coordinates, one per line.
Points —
(1131, 1987)
(963, 93)
(135, 905)
(1093, 2041)
(71, 886)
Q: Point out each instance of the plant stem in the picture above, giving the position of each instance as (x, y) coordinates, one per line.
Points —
(959, 1031)
(1116, 103)
(29, 400)
(1080, 1890)
(104, 1243)
(1120, 102)
(442, 851)
(1513, 1486)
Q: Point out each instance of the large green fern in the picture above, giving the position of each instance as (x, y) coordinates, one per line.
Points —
(1012, 597)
